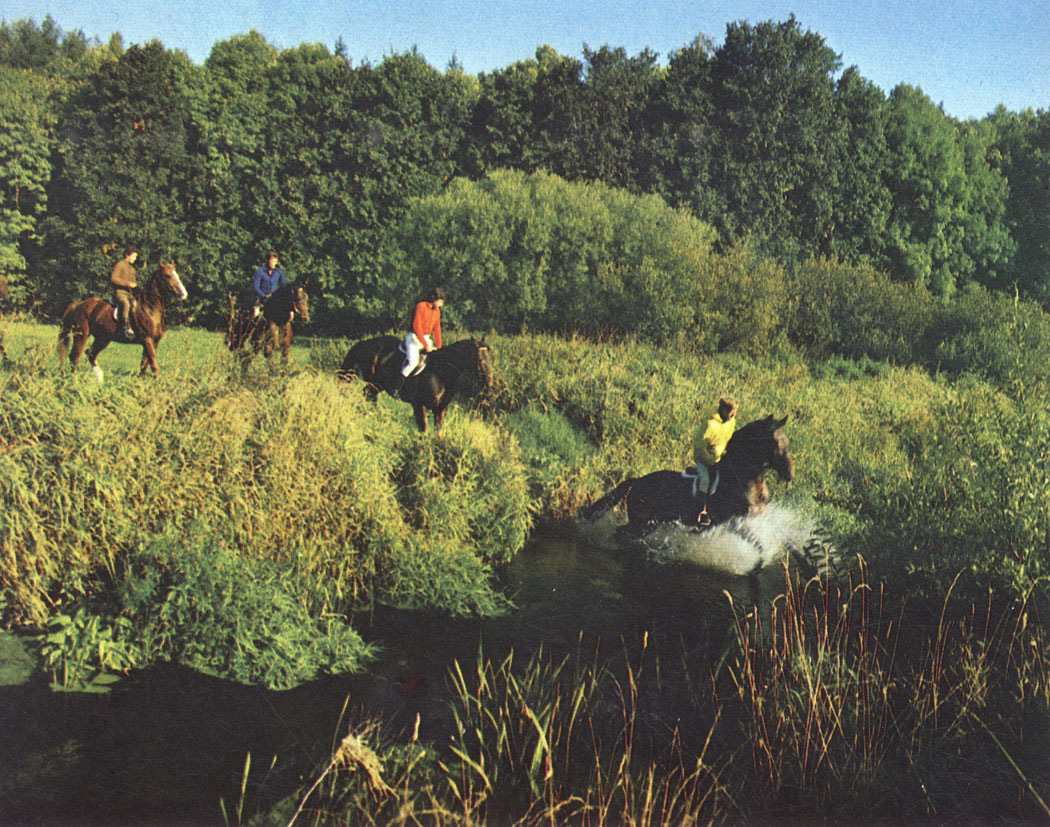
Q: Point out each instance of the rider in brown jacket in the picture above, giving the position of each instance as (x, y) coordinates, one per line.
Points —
(123, 279)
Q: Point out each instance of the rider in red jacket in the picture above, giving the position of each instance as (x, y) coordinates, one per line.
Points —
(424, 336)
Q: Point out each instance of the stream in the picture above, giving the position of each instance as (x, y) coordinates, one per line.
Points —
(166, 743)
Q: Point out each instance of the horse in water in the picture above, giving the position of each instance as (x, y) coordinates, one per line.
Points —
(251, 334)
(431, 387)
(668, 497)
(98, 318)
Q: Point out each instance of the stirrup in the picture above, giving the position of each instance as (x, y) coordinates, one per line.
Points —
(703, 519)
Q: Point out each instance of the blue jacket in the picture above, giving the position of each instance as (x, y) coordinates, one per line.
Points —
(264, 283)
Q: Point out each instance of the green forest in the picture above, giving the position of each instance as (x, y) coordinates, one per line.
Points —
(359, 173)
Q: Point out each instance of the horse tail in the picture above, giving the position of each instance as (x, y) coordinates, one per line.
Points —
(610, 500)
(65, 333)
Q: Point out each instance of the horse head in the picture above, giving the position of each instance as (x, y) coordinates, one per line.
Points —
(166, 280)
(779, 457)
(762, 444)
(301, 303)
(484, 364)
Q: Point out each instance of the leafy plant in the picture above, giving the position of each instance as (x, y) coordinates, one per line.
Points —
(85, 650)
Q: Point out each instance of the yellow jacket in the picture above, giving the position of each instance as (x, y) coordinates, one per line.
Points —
(712, 438)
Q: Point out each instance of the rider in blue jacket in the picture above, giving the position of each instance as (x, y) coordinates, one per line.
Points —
(266, 279)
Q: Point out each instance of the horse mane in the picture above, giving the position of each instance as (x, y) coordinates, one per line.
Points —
(450, 353)
(151, 287)
(741, 440)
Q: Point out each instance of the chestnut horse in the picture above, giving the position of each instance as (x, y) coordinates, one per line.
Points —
(378, 362)
(97, 317)
(273, 327)
(667, 496)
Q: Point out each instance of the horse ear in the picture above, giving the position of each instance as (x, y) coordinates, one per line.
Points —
(782, 423)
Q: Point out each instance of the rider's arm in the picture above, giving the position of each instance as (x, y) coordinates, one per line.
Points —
(257, 282)
(419, 323)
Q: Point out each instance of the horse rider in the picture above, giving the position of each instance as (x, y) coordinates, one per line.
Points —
(715, 431)
(424, 336)
(123, 280)
(266, 279)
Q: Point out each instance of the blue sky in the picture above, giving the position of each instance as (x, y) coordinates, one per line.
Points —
(967, 55)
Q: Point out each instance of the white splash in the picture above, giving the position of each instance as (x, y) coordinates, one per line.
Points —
(745, 545)
(98, 373)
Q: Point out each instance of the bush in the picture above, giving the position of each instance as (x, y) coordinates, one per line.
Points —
(1005, 340)
(520, 252)
(855, 311)
(305, 487)
(196, 601)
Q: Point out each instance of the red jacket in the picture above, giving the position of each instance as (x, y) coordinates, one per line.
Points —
(427, 322)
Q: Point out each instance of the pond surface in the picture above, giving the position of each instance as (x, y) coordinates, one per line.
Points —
(166, 744)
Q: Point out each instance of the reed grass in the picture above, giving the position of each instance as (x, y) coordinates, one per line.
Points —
(819, 710)
(298, 477)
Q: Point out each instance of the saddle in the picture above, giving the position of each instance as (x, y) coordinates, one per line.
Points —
(422, 358)
(116, 315)
(704, 480)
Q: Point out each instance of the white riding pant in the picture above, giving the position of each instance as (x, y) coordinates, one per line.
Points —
(412, 348)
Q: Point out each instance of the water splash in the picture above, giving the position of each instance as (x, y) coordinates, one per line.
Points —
(741, 546)
(745, 545)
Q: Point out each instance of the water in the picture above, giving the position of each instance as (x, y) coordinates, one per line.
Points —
(166, 744)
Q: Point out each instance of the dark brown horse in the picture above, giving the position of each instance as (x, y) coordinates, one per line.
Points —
(378, 362)
(249, 334)
(97, 317)
(667, 496)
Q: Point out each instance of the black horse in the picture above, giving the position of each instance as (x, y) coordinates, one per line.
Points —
(378, 362)
(251, 334)
(667, 496)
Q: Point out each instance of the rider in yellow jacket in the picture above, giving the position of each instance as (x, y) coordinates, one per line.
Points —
(716, 429)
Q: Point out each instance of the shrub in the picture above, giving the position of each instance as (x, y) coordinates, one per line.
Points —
(196, 601)
(1004, 339)
(855, 311)
(521, 252)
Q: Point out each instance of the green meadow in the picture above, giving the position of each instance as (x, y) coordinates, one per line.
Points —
(237, 524)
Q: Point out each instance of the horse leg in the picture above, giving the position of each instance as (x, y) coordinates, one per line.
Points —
(97, 346)
(286, 345)
(421, 417)
(149, 358)
(79, 342)
(269, 346)
(439, 416)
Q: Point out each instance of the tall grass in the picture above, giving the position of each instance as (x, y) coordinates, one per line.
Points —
(923, 475)
(334, 502)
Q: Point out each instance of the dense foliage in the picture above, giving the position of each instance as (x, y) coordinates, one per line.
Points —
(763, 138)
(186, 507)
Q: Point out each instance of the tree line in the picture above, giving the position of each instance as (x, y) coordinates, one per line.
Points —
(764, 140)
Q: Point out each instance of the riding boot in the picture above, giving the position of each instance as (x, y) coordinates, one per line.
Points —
(703, 519)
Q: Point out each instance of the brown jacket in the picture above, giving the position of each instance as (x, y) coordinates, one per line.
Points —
(123, 276)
